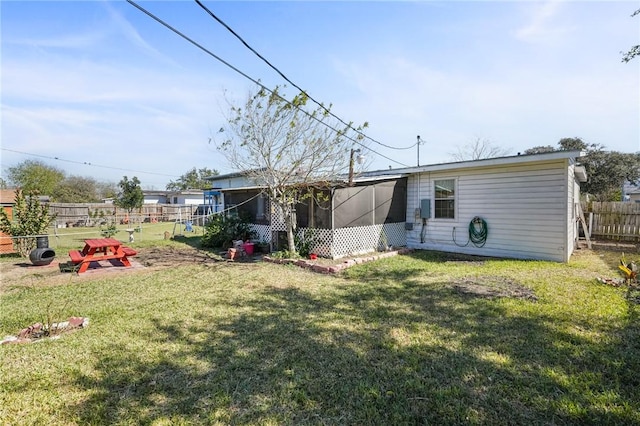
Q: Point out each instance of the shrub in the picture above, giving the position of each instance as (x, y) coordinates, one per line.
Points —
(30, 219)
(221, 231)
(305, 241)
(109, 231)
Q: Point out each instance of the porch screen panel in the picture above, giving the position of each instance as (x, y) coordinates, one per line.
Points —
(391, 201)
(247, 205)
(316, 215)
(322, 210)
(302, 213)
(353, 207)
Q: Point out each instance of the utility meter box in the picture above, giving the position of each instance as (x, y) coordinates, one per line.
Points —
(425, 208)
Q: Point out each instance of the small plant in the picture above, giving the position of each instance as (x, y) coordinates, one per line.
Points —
(285, 254)
(629, 269)
(383, 243)
(109, 231)
(30, 219)
(49, 328)
(305, 241)
(264, 246)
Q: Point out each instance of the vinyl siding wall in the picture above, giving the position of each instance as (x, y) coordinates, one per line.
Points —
(527, 208)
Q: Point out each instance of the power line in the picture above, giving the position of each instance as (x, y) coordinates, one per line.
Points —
(253, 80)
(86, 163)
(293, 84)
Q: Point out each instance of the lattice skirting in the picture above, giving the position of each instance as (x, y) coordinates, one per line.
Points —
(322, 240)
(277, 218)
(363, 239)
(346, 241)
(263, 232)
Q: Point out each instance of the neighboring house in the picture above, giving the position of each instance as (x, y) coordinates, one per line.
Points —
(527, 204)
(185, 197)
(7, 201)
(631, 193)
(213, 201)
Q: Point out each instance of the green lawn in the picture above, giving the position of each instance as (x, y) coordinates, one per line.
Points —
(149, 234)
(416, 339)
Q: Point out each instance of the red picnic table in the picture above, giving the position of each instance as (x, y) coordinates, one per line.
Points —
(101, 249)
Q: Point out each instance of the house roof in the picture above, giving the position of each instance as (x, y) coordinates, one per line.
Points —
(166, 192)
(498, 161)
(7, 196)
(386, 174)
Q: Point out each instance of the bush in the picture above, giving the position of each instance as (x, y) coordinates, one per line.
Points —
(305, 241)
(109, 231)
(30, 219)
(221, 231)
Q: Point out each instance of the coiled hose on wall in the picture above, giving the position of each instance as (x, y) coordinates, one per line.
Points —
(478, 233)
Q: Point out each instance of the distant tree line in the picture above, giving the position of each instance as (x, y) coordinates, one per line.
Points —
(36, 177)
(607, 171)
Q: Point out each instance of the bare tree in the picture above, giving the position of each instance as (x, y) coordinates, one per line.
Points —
(635, 50)
(478, 150)
(286, 150)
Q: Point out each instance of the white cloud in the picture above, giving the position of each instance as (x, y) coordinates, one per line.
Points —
(125, 28)
(74, 41)
(543, 27)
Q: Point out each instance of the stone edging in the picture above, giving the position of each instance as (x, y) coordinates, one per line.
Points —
(37, 331)
(334, 269)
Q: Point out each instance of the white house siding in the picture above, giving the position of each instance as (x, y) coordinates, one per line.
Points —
(189, 200)
(524, 204)
(155, 199)
(231, 181)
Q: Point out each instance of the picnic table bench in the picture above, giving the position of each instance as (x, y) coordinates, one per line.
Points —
(101, 249)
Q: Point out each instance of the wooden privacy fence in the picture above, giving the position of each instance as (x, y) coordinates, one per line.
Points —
(613, 220)
(95, 214)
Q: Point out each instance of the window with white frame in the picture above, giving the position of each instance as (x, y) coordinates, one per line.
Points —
(445, 199)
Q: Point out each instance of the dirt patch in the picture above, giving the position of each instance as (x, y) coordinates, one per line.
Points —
(616, 246)
(17, 272)
(492, 287)
(159, 257)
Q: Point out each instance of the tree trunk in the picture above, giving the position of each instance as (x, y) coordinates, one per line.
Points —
(290, 239)
(289, 219)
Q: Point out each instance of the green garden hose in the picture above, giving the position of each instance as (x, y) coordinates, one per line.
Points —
(478, 233)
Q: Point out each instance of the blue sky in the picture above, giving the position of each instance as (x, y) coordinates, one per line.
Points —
(100, 82)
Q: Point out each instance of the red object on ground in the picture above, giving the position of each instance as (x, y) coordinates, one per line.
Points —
(248, 248)
(313, 256)
(101, 249)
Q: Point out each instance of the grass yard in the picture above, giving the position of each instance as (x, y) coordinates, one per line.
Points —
(417, 339)
(150, 234)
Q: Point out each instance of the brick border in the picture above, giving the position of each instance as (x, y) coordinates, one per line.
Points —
(337, 268)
